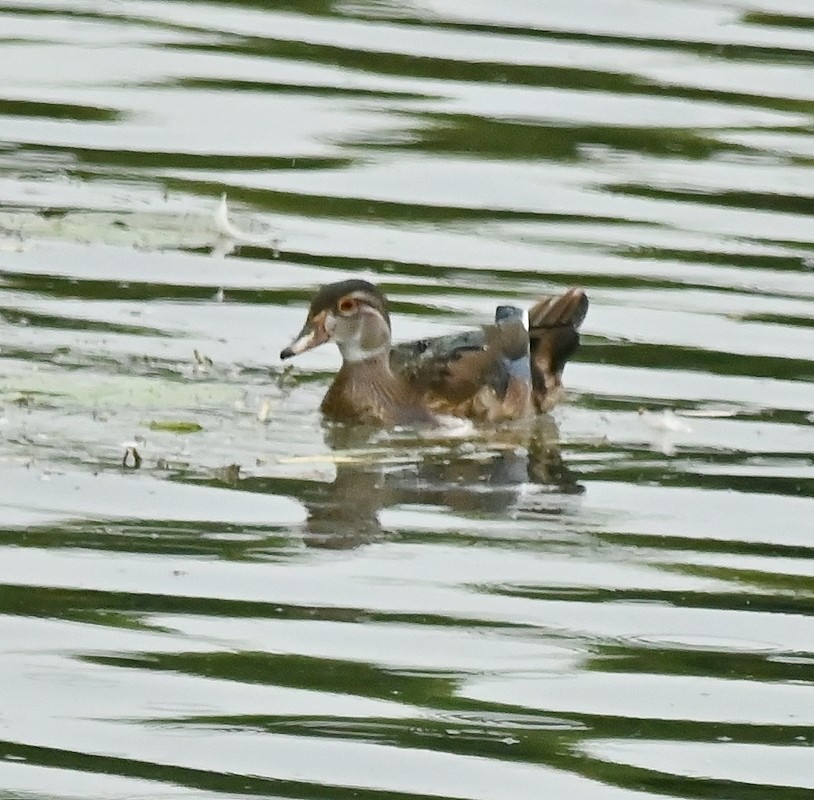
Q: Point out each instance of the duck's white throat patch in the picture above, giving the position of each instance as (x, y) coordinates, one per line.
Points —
(353, 352)
(361, 337)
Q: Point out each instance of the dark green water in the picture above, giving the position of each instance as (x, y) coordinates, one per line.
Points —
(614, 602)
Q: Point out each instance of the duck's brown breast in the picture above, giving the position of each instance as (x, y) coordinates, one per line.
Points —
(368, 392)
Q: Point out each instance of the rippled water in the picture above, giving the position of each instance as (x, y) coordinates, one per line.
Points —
(615, 602)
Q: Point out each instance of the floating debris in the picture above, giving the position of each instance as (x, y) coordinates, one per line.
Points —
(229, 474)
(167, 464)
(665, 425)
(175, 426)
(202, 363)
(225, 227)
(264, 412)
(361, 456)
(713, 412)
(131, 458)
(666, 420)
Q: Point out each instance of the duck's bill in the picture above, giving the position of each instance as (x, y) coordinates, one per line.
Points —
(312, 335)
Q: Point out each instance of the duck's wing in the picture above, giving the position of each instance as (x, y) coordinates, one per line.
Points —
(554, 335)
(483, 373)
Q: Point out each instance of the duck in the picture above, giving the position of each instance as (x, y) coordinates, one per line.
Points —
(504, 371)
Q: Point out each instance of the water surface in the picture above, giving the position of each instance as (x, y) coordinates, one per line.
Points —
(612, 602)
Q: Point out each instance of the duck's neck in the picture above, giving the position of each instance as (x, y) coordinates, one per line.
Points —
(373, 369)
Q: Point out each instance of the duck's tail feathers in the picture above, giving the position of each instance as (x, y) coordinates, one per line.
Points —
(554, 335)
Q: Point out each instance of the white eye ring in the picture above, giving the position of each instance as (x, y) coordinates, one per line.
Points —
(347, 305)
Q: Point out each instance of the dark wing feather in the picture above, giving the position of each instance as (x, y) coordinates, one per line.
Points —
(554, 334)
(453, 371)
(445, 366)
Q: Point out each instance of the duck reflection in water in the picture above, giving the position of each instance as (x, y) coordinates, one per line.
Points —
(500, 375)
(515, 471)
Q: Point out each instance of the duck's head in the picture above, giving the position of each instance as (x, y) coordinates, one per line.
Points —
(353, 314)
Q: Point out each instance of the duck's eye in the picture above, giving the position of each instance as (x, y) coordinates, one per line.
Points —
(347, 305)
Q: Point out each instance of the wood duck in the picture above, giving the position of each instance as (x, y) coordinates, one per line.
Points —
(500, 372)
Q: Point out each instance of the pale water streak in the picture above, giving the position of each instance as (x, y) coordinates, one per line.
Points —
(615, 602)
